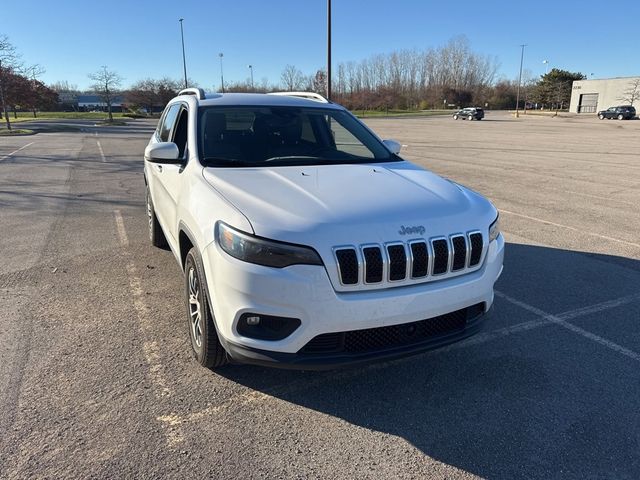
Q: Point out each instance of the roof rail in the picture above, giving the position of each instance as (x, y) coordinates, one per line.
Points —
(308, 95)
(198, 92)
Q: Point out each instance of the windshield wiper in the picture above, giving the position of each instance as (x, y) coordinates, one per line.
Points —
(226, 162)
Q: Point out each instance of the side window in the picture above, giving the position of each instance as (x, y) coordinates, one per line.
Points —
(180, 133)
(169, 120)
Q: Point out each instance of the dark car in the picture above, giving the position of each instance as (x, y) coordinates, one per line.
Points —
(469, 113)
(621, 112)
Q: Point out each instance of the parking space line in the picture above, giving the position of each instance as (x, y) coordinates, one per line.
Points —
(101, 151)
(543, 319)
(150, 348)
(558, 320)
(16, 151)
(605, 237)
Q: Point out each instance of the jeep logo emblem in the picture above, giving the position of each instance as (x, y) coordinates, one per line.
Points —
(415, 230)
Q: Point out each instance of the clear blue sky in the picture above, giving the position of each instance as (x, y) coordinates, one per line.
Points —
(141, 38)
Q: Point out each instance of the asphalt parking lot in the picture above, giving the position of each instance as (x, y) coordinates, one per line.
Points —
(96, 380)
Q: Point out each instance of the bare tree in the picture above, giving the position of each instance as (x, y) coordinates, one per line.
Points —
(32, 73)
(8, 62)
(292, 78)
(632, 93)
(106, 85)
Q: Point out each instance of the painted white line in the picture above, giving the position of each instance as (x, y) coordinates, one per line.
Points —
(556, 319)
(174, 420)
(16, 151)
(151, 349)
(605, 237)
(101, 151)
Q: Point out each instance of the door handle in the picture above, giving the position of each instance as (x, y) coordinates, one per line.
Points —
(158, 167)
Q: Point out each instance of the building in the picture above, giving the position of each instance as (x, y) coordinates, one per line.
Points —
(87, 103)
(590, 96)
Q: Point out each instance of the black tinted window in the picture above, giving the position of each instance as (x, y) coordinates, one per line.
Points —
(277, 136)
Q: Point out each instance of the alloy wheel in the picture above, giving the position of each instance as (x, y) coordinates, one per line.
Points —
(195, 310)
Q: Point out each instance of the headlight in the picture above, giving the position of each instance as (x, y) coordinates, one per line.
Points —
(494, 229)
(269, 253)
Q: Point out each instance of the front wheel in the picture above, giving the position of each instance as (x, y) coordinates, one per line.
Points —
(470, 117)
(455, 117)
(205, 346)
(620, 117)
(601, 117)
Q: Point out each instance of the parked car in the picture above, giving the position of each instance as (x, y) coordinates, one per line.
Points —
(469, 113)
(306, 241)
(621, 112)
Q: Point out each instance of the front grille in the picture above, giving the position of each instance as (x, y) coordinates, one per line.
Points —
(385, 338)
(420, 256)
(418, 260)
(397, 262)
(459, 252)
(348, 265)
(475, 243)
(372, 264)
(440, 256)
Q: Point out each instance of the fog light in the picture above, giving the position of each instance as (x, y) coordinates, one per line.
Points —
(266, 327)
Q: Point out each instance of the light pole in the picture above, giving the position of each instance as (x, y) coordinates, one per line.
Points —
(221, 74)
(546, 66)
(184, 61)
(328, 49)
(251, 71)
(519, 80)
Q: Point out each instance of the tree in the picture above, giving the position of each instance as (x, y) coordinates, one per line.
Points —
(319, 82)
(292, 78)
(554, 88)
(67, 94)
(632, 93)
(150, 93)
(32, 73)
(106, 85)
(8, 62)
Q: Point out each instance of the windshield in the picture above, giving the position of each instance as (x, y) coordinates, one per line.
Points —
(280, 136)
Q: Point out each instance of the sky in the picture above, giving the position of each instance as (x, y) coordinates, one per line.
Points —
(141, 39)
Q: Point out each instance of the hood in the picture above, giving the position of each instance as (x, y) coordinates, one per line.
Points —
(348, 204)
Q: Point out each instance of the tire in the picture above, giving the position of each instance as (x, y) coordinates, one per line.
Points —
(470, 117)
(203, 337)
(601, 117)
(156, 235)
(620, 117)
(455, 117)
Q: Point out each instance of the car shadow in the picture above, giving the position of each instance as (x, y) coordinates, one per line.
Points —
(543, 402)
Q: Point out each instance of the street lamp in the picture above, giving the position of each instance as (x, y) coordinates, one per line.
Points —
(221, 74)
(251, 70)
(546, 66)
(519, 80)
(184, 61)
(328, 49)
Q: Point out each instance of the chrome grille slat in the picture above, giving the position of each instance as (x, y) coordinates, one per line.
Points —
(373, 262)
(459, 247)
(441, 253)
(475, 248)
(398, 261)
(419, 259)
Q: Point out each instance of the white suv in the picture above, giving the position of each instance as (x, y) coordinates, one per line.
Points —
(306, 241)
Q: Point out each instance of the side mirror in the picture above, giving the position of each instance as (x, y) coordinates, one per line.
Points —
(393, 146)
(163, 152)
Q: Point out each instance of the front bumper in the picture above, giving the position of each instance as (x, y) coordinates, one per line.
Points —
(305, 292)
(325, 361)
